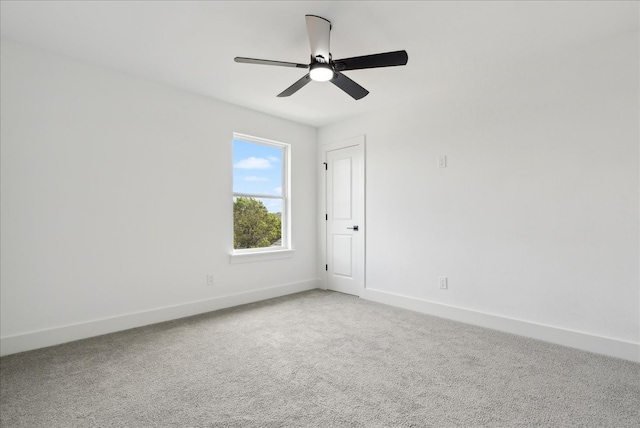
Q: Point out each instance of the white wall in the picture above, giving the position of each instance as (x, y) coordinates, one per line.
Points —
(536, 216)
(116, 202)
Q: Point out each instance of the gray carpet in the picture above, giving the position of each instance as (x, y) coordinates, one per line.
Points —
(316, 359)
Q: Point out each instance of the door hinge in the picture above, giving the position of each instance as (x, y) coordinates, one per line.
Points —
(326, 267)
(325, 165)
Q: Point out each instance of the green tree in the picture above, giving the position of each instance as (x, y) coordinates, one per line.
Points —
(253, 225)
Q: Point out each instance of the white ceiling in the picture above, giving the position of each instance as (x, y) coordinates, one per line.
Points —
(191, 45)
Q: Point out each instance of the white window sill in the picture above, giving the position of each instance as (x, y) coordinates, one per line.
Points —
(259, 256)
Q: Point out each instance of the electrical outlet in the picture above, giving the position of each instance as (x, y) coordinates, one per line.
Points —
(443, 282)
(210, 280)
(442, 161)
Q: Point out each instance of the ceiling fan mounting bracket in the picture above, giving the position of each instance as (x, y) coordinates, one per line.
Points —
(320, 59)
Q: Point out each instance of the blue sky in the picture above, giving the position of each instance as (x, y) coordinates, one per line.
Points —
(257, 168)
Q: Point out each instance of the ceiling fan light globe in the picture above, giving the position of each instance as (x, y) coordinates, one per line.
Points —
(321, 73)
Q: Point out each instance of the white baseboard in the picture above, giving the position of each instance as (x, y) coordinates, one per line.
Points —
(583, 341)
(68, 333)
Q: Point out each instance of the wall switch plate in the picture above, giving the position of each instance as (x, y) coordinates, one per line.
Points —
(443, 282)
(210, 280)
(442, 161)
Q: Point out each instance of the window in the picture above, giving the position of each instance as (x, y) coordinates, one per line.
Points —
(260, 195)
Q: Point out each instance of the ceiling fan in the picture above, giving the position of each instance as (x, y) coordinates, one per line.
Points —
(323, 68)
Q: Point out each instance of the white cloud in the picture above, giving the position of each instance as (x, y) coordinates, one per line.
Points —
(273, 159)
(253, 163)
(278, 190)
(253, 178)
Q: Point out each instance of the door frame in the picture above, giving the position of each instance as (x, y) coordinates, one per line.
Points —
(322, 199)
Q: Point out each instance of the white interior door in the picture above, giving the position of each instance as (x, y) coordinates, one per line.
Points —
(345, 219)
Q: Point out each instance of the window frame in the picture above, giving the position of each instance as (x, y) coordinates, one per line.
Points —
(285, 249)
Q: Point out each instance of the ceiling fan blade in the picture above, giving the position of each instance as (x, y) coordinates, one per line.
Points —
(349, 86)
(318, 29)
(387, 59)
(269, 62)
(296, 86)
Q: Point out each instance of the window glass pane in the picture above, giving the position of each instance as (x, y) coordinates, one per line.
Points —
(257, 222)
(259, 194)
(257, 168)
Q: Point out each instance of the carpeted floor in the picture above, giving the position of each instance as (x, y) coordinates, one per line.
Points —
(316, 359)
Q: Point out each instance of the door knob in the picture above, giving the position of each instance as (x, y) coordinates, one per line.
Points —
(354, 227)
